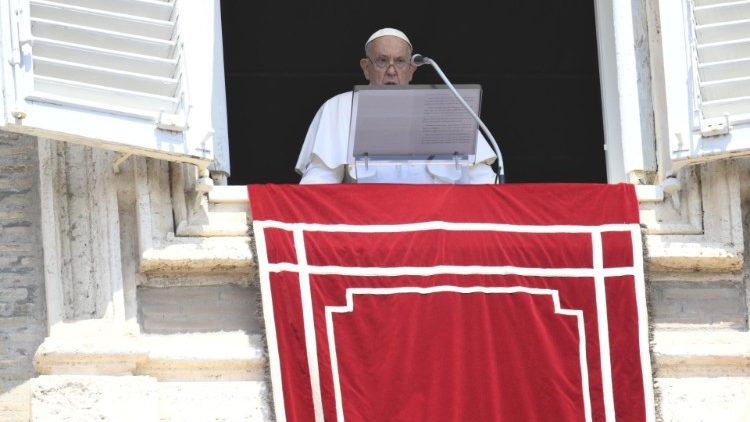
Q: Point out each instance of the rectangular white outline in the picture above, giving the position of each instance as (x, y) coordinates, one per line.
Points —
(636, 271)
(349, 307)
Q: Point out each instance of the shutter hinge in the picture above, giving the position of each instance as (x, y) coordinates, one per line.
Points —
(715, 126)
(21, 39)
(171, 122)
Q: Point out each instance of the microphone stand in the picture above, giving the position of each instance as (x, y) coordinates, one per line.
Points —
(419, 60)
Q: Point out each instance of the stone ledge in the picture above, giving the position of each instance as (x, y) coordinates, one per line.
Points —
(233, 356)
(89, 398)
(142, 398)
(701, 352)
(665, 254)
(199, 255)
(202, 279)
(103, 354)
(238, 194)
(704, 399)
(224, 356)
(229, 194)
(214, 229)
(214, 401)
(15, 398)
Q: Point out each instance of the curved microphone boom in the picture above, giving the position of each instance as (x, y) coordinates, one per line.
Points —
(419, 60)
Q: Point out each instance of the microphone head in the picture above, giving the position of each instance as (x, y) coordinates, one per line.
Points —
(419, 60)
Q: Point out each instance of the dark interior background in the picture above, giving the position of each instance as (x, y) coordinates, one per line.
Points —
(536, 62)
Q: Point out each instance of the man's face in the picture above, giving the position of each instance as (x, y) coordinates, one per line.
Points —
(388, 62)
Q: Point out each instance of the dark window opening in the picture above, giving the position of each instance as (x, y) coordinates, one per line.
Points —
(536, 62)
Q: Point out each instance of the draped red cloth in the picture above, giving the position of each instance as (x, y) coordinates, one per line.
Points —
(453, 303)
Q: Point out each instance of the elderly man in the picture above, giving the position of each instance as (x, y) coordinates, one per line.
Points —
(323, 158)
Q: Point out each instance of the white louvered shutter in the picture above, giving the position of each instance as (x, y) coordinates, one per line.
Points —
(115, 74)
(722, 31)
(718, 32)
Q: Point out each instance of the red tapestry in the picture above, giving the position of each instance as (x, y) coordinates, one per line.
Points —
(453, 303)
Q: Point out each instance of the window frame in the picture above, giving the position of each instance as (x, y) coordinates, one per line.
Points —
(628, 151)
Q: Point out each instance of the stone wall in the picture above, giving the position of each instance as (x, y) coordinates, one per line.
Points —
(194, 309)
(23, 324)
(153, 314)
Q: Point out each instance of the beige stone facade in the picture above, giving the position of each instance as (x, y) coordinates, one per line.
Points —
(129, 296)
(125, 295)
(126, 283)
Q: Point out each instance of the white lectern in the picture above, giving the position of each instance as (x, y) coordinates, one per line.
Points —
(411, 125)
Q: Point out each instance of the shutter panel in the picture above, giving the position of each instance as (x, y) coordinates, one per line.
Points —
(114, 74)
(103, 54)
(706, 52)
(722, 32)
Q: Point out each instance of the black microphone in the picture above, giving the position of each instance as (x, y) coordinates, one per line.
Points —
(419, 60)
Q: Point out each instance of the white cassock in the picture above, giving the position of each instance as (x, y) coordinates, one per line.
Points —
(323, 158)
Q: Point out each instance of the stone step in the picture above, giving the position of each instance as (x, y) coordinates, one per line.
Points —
(15, 397)
(228, 213)
(218, 356)
(230, 401)
(140, 398)
(686, 399)
(207, 254)
(230, 356)
(703, 352)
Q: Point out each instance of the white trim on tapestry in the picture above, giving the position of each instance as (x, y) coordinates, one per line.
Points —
(603, 325)
(640, 300)
(554, 294)
(443, 225)
(448, 269)
(309, 323)
(270, 322)
(598, 272)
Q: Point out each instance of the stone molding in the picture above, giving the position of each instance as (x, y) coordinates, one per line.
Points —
(699, 226)
(696, 352)
(87, 349)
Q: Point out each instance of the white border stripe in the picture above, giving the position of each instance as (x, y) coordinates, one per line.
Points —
(273, 345)
(449, 269)
(265, 269)
(309, 324)
(440, 225)
(603, 325)
(640, 300)
(349, 307)
(334, 355)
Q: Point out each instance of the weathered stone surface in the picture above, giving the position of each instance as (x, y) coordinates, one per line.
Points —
(15, 401)
(22, 305)
(707, 351)
(90, 353)
(88, 398)
(222, 254)
(217, 356)
(81, 232)
(704, 399)
(229, 401)
(197, 353)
